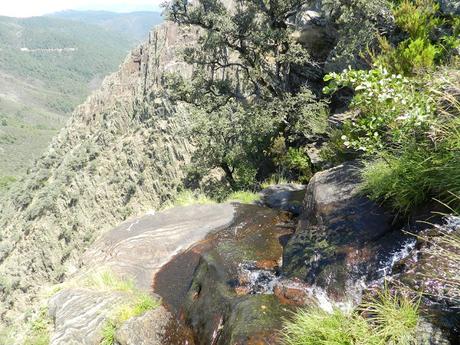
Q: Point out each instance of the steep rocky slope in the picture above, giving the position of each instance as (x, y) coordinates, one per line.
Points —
(122, 153)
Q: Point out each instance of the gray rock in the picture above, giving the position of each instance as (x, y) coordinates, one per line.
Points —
(136, 250)
(451, 7)
(339, 233)
(428, 334)
(79, 315)
(287, 197)
(147, 329)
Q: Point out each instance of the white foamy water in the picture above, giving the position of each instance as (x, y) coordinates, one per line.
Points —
(398, 255)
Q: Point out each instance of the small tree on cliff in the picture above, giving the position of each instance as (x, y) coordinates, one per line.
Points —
(248, 81)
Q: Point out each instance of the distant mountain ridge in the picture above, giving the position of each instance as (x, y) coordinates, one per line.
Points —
(135, 25)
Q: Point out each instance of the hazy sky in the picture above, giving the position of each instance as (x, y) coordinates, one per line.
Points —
(27, 8)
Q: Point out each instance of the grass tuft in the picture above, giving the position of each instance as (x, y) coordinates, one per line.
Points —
(244, 197)
(394, 317)
(386, 319)
(108, 281)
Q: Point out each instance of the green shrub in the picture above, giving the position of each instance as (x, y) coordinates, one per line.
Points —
(291, 162)
(6, 181)
(419, 52)
(188, 197)
(39, 330)
(108, 333)
(391, 108)
(394, 317)
(388, 318)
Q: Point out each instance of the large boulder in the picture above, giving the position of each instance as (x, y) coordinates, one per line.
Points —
(224, 286)
(135, 251)
(341, 238)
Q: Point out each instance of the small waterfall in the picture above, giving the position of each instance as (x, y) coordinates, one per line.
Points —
(256, 280)
(396, 256)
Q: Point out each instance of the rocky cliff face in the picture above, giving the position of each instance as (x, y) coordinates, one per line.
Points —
(122, 153)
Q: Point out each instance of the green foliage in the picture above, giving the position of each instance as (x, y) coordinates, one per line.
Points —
(392, 108)
(189, 197)
(108, 334)
(422, 50)
(140, 304)
(6, 181)
(107, 281)
(358, 22)
(317, 327)
(39, 330)
(245, 89)
(409, 178)
(244, 197)
(135, 302)
(394, 317)
(389, 318)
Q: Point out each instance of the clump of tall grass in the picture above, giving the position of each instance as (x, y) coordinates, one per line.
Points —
(419, 172)
(387, 318)
(244, 197)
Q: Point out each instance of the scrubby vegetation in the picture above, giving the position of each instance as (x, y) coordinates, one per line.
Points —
(134, 303)
(406, 123)
(387, 318)
(39, 330)
(250, 91)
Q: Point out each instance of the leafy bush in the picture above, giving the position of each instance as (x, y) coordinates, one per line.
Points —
(39, 330)
(432, 38)
(291, 162)
(392, 108)
(389, 318)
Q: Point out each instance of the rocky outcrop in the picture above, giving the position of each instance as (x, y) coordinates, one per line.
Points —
(134, 251)
(340, 237)
(121, 154)
(223, 287)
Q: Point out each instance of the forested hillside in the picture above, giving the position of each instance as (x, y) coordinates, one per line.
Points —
(47, 67)
(135, 25)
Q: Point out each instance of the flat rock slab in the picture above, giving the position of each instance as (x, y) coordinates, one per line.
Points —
(135, 250)
(80, 314)
(138, 248)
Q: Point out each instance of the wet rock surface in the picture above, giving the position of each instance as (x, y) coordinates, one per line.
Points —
(225, 294)
(436, 274)
(342, 237)
(135, 250)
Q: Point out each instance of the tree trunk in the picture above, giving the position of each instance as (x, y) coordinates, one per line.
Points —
(228, 175)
